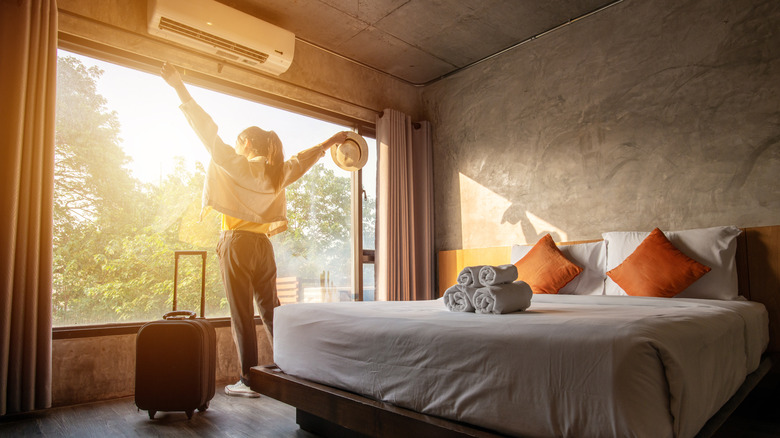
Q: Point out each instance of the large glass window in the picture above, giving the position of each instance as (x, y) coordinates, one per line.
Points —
(128, 179)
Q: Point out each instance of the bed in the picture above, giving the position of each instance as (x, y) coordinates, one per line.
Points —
(573, 364)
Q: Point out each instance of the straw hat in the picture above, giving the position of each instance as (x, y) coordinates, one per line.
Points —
(352, 154)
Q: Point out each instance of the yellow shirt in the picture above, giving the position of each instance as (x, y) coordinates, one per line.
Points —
(231, 223)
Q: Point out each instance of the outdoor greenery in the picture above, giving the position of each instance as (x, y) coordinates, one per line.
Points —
(114, 236)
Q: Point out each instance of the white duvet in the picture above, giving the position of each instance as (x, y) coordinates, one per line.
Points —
(568, 366)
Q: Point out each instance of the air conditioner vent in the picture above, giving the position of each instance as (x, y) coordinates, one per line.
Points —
(213, 28)
(166, 24)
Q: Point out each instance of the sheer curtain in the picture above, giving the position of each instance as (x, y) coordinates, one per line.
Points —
(28, 53)
(404, 246)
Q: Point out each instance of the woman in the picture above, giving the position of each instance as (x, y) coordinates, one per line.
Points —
(246, 185)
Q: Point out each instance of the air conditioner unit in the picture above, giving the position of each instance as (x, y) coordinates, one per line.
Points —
(220, 30)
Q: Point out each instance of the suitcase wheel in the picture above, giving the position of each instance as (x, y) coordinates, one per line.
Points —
(189, 413)
(151, 414)
(204, 407)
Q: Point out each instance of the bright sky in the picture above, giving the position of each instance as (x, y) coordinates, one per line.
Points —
(154, 130)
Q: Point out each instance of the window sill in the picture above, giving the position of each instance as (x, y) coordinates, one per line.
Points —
(130, 328)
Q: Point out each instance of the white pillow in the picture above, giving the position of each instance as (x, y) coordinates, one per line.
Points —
(590, 256)
(715, 247)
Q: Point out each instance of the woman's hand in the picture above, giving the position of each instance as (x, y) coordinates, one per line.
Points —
(173, 78)
(171, 75)
(337, 138)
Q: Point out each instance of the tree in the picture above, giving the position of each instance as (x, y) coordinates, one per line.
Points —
(369, 222)
(91, 180)
(88, 180)
(114, 237)
(318, 238)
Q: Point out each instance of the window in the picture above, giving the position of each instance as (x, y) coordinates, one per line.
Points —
(128, 178)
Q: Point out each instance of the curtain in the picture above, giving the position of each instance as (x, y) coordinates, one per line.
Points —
(404, 224)
(28, 53)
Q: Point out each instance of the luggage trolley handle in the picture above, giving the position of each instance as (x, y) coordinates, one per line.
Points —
(180, 314)
(202, 278)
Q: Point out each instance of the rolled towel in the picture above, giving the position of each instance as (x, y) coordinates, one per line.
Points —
(503, 298)
(469, 276)
(491, 275)
(459, 298)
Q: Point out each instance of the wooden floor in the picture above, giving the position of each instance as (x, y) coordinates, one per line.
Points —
(226, 417)
(758, 417)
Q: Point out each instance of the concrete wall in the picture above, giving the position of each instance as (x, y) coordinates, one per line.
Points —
(101, 368)
(649, 113)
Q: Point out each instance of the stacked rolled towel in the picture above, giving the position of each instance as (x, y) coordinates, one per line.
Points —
(469, 276)
(488, 289)
(503, 298)
(459, 298)
(491, 275)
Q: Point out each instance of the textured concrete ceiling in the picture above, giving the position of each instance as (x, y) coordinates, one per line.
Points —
(416, 40)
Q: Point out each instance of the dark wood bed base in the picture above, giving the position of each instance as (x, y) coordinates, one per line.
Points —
(332, 412)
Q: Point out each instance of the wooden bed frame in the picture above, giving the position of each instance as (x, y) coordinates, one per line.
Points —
(332, 412)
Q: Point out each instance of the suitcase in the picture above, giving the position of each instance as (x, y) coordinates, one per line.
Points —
(175, 362)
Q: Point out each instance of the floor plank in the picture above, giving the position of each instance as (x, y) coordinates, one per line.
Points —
(225, 417)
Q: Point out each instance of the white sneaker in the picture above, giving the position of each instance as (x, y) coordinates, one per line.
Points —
(240, 390)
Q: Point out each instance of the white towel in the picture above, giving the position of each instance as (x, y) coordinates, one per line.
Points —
(459, 298)
(503, 298)
(469, 276)
(491, 275)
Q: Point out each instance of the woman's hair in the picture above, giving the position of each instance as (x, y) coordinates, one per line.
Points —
(266, 144)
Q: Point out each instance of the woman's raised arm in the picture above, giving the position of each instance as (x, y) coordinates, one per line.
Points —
(173, 78)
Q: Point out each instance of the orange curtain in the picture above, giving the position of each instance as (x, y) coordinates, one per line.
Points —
(404, 230)
(28, 62)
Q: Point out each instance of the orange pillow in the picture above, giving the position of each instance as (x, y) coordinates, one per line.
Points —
(657, 269)
(545, 268)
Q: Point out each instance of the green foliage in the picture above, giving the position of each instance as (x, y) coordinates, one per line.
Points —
(114, 237)
(91, 182)
(318, 238)
(369, 223)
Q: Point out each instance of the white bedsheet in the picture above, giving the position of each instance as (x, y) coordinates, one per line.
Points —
(568, 366)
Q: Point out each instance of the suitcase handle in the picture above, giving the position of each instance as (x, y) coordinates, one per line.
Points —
(180, 314)
(202, 254)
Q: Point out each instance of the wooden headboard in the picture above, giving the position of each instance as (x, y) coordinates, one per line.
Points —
(758, 267)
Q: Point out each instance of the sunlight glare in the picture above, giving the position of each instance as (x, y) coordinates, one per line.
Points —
(154, 130)
(481, 210)
(542, 227)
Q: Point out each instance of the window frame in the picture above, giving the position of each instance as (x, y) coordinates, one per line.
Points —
(150, 65)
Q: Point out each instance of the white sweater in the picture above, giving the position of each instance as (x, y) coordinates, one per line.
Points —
(239, 187)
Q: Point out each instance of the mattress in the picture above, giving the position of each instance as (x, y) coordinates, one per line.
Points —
(568, 366)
